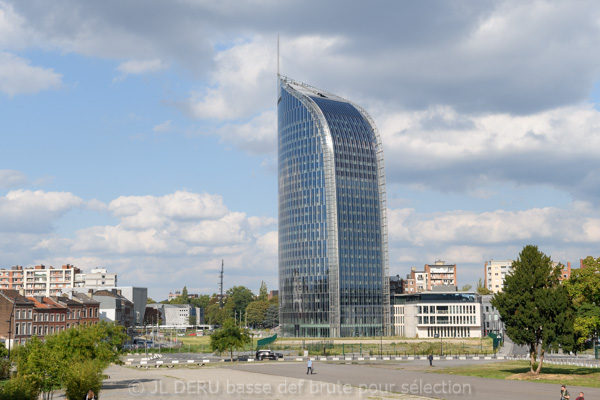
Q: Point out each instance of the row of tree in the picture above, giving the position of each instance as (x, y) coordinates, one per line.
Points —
(238, 303)
(73, 359)
(545, 315)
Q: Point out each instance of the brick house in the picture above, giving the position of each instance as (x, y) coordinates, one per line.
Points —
(16, 318)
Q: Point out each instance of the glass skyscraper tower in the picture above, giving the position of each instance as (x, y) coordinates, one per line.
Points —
(333, 256)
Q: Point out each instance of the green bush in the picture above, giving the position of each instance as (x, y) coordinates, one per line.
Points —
(82, 377)
(4, 368)
(18, 389)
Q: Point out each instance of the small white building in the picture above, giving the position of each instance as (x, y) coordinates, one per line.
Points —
(427, 314)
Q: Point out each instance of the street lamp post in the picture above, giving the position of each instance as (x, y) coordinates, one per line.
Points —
(381, 344)
(10, 329)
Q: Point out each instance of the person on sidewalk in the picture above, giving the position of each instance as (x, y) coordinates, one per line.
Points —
(430, 357)
(580, 397)
(564, 393)
(90, 395)
(310, 367)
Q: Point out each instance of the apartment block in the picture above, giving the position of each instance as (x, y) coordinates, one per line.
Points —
(39, 280)
(440, 273)
(495, 272)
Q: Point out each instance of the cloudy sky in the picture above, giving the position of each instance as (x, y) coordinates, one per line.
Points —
(140, 135)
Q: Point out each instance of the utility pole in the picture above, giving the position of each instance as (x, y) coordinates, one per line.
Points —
(221, 284)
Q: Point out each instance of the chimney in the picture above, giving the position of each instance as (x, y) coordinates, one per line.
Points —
(90, 293)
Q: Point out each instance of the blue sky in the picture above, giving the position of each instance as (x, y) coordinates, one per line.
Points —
(140, 136)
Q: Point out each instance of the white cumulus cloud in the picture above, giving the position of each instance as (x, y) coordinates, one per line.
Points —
(17, 76)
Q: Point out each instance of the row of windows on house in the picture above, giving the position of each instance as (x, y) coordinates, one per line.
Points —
(28, 329)
(27, 314)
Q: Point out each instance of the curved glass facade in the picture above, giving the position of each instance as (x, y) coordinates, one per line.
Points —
(332, 230)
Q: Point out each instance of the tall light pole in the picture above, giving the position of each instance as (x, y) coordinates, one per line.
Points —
(10, 329)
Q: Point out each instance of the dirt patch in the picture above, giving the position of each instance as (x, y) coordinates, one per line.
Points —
(528, 376)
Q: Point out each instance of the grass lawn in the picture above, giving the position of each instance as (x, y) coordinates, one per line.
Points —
(519, 370)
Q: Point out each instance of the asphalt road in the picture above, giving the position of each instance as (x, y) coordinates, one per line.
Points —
(414, 378)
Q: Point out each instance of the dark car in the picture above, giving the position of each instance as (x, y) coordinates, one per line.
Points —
(268, 354)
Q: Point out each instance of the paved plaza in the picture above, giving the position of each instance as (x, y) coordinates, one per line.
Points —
(278, 380)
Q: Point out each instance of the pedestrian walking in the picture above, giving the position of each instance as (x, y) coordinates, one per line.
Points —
(430, 359)
(310, 367)
(564, 393)
(90, 395)
(580, 397)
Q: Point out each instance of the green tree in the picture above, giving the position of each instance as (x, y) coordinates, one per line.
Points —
(19, 389)
(274, 300)
(263, 294)
(42, 364)
(534, 307)
(584, 289)
(82, 376)
(272, 316)
(229, 337)
(257, 311)
(482, 290)
(150, 301)
(241, 296)
(214, 315)
(202, 301)
(3, 350)
(466, 288)
(46, 364)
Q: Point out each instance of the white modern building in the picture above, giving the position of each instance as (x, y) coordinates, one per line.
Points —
(495, 273)
(42, 281)
(96, 278)
(436, 314)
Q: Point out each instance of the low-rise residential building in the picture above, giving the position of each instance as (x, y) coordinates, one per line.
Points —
(17, 312)
(445, 314)
(74, 310)
(49, 317)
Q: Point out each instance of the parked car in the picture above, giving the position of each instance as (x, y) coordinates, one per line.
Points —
(192, 334)
(268, 354)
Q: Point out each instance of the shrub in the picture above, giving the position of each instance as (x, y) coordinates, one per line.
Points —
(18, 389)
(82, 377)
